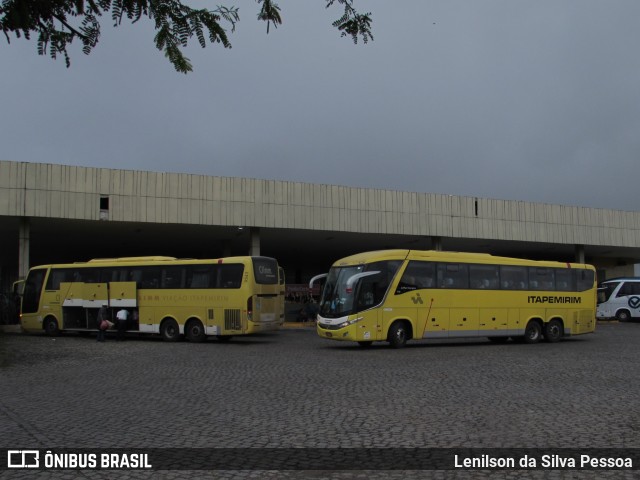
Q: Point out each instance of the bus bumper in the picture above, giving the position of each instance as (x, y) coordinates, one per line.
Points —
(263, 326)
(345, 333)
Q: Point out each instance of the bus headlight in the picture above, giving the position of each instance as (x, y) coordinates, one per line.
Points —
(350, 322)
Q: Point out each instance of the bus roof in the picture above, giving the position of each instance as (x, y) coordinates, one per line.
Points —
(130, 259)
(444, 256)
(621, 279)
(150, 260)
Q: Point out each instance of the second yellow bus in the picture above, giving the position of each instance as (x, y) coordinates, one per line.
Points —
(399, 295)
(164, 295)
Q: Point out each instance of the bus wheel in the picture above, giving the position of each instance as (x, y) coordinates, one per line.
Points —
(365, 344)
(170, 331)
(50, 326)
(194, 331)
(623, 316)
(224, 338)
(398, 335)
(533, 332)
(553, 331)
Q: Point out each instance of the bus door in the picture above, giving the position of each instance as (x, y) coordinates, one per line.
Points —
(367, 298)
(74, 315)
(369, 328)
(125, 295)
(433, 320)
(33, 287)
(94, 296)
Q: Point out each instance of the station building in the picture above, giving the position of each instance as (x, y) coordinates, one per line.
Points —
(58, 213)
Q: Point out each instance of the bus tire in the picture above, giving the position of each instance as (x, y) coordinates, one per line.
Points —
(553, 331)
(169, 330)
(623, 315)
(533, 332)
(365, 344)
(50, 327)
(224, 338)
(194, 331)
(398, 335)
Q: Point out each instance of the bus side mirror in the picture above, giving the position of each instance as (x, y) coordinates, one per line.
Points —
(354, 278)
(316, 278)
(18, 288)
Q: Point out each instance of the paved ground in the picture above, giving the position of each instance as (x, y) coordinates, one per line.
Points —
(293, 389)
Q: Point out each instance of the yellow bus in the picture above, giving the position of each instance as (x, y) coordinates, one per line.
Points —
(163, 295)
(399, 295)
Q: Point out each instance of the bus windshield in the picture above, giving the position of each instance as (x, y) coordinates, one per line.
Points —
(352, 289)
(605, 290)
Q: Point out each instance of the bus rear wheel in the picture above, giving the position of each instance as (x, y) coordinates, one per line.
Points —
(398, 335)
(553, 331)
(194, 331)
(533, 332)
(170, 331)
(50, 327)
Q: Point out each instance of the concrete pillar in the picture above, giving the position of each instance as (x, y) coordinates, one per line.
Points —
(580, 254)
(226, 248)
(23, 248)
(437, 243)
(254, 245)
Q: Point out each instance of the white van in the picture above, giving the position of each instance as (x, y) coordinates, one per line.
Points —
(619, 298)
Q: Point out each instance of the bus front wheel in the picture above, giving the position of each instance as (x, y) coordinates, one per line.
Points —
(50, 326)
(195, 331)
(170, 331)
(623, 316)
(398, 335)
(533, 332)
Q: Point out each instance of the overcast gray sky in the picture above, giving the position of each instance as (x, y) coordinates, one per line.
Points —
(535, 100)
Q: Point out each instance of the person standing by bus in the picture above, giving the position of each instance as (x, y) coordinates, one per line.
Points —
(103, 322)
(123, 319)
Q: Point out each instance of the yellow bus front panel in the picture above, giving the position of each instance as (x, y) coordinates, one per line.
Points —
(342, 328)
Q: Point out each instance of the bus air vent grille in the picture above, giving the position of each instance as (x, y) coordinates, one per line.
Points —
(232, 320)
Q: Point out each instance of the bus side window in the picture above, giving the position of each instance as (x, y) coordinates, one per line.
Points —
(541, 278)
(173, 277)
(417, 275)
(629, 288)
(229, 276)
(564, 280)
(484, 277)
(513, 277)
(585, 281)
(453, 275)
(200, 276)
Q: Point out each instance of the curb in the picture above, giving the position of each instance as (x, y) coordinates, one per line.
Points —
(299, 325)
(10, 329)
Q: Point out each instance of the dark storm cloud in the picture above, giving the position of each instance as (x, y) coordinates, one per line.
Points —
(525, 100)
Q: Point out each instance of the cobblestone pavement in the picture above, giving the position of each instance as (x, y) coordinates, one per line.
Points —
(293, 389)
